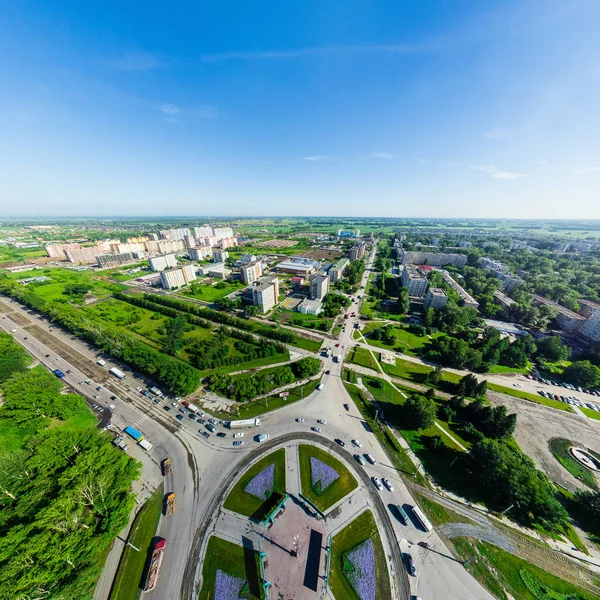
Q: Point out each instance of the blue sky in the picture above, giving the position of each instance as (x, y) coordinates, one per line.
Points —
(469, 108)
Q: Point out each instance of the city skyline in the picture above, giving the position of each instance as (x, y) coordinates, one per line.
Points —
(316, 110)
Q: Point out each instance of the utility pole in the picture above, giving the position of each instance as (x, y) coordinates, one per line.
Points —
(507, 509)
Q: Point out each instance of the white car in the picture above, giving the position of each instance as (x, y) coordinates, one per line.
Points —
(174, 404)
(370, 458)
(14, 330)
(357, 443)
(317, 429)
(238, 434)
(300, 420)
(322, 421)
(139, 389)
(377, 483)
(387, 484)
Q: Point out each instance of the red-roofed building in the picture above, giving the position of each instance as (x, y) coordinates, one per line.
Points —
(297, 280)
(425, 268)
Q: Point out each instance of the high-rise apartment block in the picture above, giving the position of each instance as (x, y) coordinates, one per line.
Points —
(106, 261)
(160, 263)
(357, 251)
(200, 253)
(337, 271)
(414, 281)
(176, 278)
(220, 255)
(319, 286)
(436, 298)
(222, 232)
(228, 242)
(204, 231)
(251, 272)
(265, 293)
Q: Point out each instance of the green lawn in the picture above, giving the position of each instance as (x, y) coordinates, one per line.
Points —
(502, 369)
(437, 513)
(337, 490)
(406, 369)
(234, 560)
(500, 571)
(404, 340)
(128, 580)
(362, 528)
(531, 397)
(211, 293)
(593, 414)
(296, 319)
(560, 449)
(362, 357)
(246, 504)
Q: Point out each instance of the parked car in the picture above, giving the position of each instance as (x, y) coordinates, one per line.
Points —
(179, 417)
(239, 434)
(377, 483)
(387, 484)
(357, 443)
(204, 433)
(347, 406)
(221, 434)
(410, 565)
(370, 458)
(340, 442)
(317, 429)
(300, 420)
(238, 443)
(167, 408)
(359, 459)
(322, 421)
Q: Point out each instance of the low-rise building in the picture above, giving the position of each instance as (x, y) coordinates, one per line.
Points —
(297, 280)
(298, 266)
(504, 302)
(435, 298)
(162, 262)
(337, 271)
(466, 298)
(587, 308)
(414, 281)
(590, 329)
(319, 286)
(310, 307)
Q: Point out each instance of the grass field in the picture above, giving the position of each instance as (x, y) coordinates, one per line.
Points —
(437, 513)
(246, 504)
(352, 535)
(592, 414)
(531, 397)
(234, 560)
(560, 449)
(404, 340)
(337, 490)
(211, 293)
(499, 369)
(295, 319)
(500, 571)
(128, 580)
(362, 357)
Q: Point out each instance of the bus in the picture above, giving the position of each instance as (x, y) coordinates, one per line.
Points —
(422, 519)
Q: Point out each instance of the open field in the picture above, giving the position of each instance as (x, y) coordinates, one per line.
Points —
(337, 490)
(128, 579)
(234, 560)
(362, 528)
(246, 504)
(209, 292)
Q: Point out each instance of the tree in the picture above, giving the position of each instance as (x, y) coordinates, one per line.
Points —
(434, 377)
(175, 329)
(552, 349)
(583, 374)
(306, 367)
(403, 300)
(469, 386)
(419, 412)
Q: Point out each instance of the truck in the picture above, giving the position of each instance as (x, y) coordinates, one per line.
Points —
(59, 373)
(134, 433)
(244, 423)
(145, 445)
(117, 373)
(155, 563)
(166, 467)
(191, 407)
(169, 504)
(156, 391)
(101, 362)
(262, 437)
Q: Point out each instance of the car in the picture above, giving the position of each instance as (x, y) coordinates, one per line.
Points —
(179, 417)
(202, 421)
(238, 443)
(200, 414)
(410, 565)
(113, 397)
(322, 421)
(327, 372)
(100, 409)
(174, 404)
(182, 411)
(317, 429)
(402, 514)
(68, 370)
(88, 381)
(167, 408)
(98, 388)
(213, 421)
(370, 458)
(387, 484)
(139, 389)
(347, 406)
(95, 396)
(157, 401)
(357, 443)
(204, 433)
(81, 383)
(221, 434)
(343, 346)
(15, 331)
(192, 416)
(94, 406)
(210, 427)
(359, 459)
(377, 483)
(300, 420)
(238, 434)
(337, 345)
(342, 443)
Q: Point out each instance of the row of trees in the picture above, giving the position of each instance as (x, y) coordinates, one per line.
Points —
(333, 303)
(64, 492)
(179, 377)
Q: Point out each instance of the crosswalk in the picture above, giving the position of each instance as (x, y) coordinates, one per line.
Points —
(140, 421)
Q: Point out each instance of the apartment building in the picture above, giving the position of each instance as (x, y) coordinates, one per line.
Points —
(175, 234)
(200, 253)
(106, 261)
(590, 329)
(466, 298)
(434, 259)
(162, 262)
(587, 308)
(436, 298)
(251, 272)
(222, 232)
(247, 258)
(566, 319)
(319, 286)
(500, 271)
(204, 231)
(190, 241)
(165, 246)
(176, 278)
(58, 250)
(357, 251)
(228, 242)
(504, 302)
(337, 271)
(414, 281)
(220, 256)
(265, 293)
(84, 254)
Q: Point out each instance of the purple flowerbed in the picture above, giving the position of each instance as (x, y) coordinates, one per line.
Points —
(322, 475)
(228, 587)
(359, 569)
(261, 485)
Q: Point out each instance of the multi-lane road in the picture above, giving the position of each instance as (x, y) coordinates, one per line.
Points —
(203, 468)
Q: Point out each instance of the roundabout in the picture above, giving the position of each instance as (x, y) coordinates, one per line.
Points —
(585, 458)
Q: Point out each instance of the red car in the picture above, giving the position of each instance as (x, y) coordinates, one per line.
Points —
(337, 345)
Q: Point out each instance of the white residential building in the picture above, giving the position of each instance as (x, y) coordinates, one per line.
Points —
(251, 272)
(200, 253)
(414, 281)
(222, 232)
(436, 298)
(162, 262)
(204, 231)
(190, 242)
(337, 271)
(319, 286)
(176, 278)
(220, 256)
(466, 298)
(265, 293)
(591, 328)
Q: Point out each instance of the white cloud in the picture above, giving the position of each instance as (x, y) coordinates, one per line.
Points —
(496, 173)
(384, 155)
(498, 133)
(135, 61)
(205, 112)
(169, 109)
(586, 169)
(322, 158)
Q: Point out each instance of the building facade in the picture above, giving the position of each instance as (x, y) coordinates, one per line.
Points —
(200, 253)
(162, 262)
(106, 261)
(414, 281)
(319, 286)
(251, 272)
(265, 293)
(337, 271)
(220, 256)
(435, 298)
(466, 298)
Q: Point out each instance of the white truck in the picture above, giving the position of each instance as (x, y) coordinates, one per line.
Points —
(244, 423)
(145, 445)
(117, 373)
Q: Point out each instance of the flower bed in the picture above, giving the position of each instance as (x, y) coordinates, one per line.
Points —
(261, 486)
(359, 569)
(321, 475)
(228, 587)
